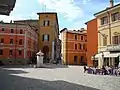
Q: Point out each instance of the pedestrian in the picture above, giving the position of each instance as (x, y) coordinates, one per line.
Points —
(85, 69)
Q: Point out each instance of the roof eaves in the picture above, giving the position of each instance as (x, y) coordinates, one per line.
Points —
(106, 9)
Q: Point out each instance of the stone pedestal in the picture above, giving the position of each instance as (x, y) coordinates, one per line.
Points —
(40, 56)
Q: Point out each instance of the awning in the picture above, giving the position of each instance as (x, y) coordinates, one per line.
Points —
(107, 55)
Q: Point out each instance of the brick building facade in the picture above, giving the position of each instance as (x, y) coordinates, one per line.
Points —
(92, 41)
(74, 46)
(18, 42)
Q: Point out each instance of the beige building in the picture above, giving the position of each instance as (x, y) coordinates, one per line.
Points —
(108, 35)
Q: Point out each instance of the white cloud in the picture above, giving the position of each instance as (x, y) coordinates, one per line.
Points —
(9, 18)
(67, 8)
(86, 1)
(77, 26)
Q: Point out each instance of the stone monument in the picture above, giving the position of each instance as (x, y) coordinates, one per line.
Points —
(40, 56)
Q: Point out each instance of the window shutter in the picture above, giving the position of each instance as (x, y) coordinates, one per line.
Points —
(48, 37)
(43, 38)
(119, 16)
(119, 39)
(106, 20)
(48, 23)
(44, 23)
(113, 39)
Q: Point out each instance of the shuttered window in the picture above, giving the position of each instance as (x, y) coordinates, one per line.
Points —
(104, 20)
(20, 42)
(115, 16)
(46, 37)
(115, 39)
(76, 46)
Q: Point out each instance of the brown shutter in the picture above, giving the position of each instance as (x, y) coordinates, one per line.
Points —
(48, 37)
(119, 16)
(113, 39)
(119, 39)
(43, 38)
(44, 23)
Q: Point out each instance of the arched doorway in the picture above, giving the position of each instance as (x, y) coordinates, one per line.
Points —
(46, 53)
(75, 60)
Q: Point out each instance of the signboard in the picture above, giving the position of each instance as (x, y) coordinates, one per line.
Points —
(113, 48)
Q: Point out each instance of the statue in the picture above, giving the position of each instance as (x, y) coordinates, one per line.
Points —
(40, 56)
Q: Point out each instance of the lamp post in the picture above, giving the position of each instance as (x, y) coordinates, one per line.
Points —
(102, 58)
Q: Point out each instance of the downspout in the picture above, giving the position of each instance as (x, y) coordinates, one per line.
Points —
(15, 44)
(66, 49)
(109, 27)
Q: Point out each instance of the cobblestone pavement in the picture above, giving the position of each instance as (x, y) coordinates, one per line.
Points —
(55, 77)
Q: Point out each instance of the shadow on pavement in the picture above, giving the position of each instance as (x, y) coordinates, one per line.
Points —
(49, 66)
(13, 82)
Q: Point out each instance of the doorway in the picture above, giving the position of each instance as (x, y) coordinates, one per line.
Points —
(46, 54)
(75, 60)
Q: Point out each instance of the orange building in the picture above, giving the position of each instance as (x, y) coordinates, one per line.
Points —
(49, 35)
(18, 42)
(74, 46)
(92, 41)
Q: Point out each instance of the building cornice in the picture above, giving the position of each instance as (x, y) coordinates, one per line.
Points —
(106, 10)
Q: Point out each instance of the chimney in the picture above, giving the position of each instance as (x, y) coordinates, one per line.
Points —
(111, 3)
(82, 29)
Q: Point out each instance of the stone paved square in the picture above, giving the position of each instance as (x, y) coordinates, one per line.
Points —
(54, 77)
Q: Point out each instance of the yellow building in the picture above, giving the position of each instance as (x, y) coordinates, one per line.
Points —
(108, 35)
(48, 34)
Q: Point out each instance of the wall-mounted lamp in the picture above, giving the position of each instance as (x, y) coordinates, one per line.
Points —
(104, 35)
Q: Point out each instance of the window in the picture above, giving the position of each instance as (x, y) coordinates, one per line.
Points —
(82, 59)
(12, 31)
(21, 31)
(115, 16)
(115, 40)
(2, 40)
(1, 52)
(75, 37)
(46, 23)
(104, 20)
(75, 46)
(104, 41)
(20, 52)
(10, 52)
(46, 37)
(3, 29)
(80, 46)
(11, 41)
(20, 42)
(83, 46)
(81, 37)
(75, 59)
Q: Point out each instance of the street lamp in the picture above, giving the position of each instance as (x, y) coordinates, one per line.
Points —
(102, 58)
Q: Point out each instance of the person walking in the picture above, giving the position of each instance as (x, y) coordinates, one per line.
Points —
(85, 69)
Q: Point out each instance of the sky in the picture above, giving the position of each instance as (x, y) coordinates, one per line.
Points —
(72, 14)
